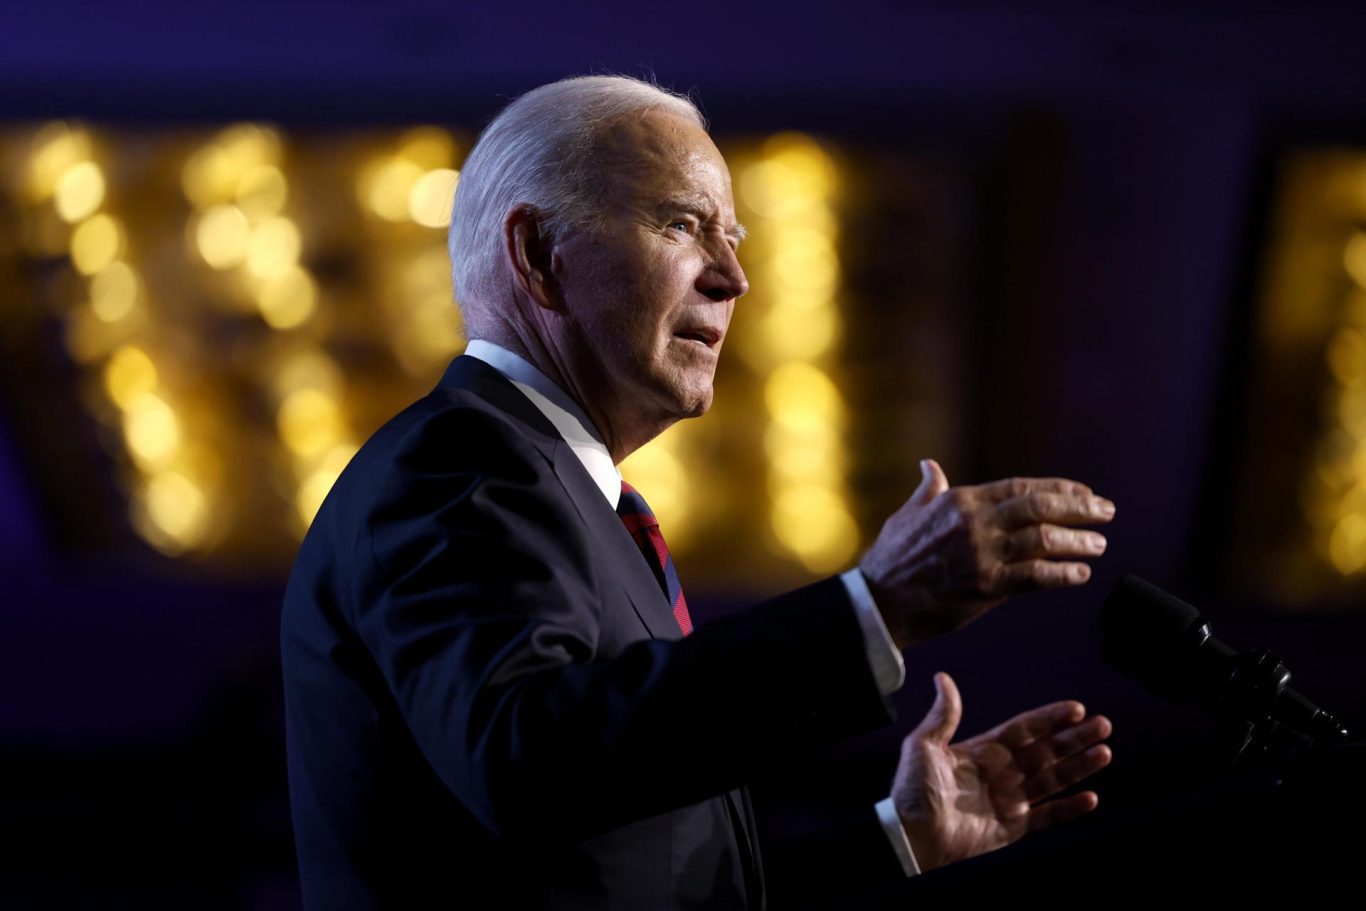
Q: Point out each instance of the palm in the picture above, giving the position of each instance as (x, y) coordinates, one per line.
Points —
(984, 802)
(958, 800)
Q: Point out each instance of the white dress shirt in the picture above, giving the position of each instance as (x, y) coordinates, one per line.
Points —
(889, 669)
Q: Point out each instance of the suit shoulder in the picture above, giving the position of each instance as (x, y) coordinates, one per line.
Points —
(448, 439)
(448, 430)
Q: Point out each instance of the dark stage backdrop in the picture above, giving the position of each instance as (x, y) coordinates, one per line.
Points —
(1125, 247)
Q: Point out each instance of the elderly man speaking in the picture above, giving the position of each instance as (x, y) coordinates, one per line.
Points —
(495, 695)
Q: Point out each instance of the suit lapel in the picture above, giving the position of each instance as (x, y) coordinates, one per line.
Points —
(605, 528)
(604, 525)
(469, 374)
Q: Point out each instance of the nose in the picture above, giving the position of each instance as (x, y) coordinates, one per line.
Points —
(723, 279)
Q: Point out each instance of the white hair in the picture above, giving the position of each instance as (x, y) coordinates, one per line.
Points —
(541, 150)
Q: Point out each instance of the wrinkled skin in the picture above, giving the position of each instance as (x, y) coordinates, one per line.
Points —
(628, 315)
(958, 800)
(951, 554)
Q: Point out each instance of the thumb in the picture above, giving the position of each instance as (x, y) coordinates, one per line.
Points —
(933, 482)
(941, 722)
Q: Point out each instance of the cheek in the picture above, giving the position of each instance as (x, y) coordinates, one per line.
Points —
(658, 299)
(630, 302)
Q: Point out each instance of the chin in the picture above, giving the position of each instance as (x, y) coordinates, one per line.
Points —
(701, 407)
(694, 402)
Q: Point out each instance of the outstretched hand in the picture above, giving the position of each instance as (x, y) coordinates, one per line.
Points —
(958, 800)
(950, 554)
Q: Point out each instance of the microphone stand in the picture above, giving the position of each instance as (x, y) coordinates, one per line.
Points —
(1250, 731)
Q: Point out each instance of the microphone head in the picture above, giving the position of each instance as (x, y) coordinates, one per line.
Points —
(1152, 636)
(1166, 645)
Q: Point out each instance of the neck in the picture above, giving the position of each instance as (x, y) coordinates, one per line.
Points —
(587, 386)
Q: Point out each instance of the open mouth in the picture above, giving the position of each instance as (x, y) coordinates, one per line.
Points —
(704, 336)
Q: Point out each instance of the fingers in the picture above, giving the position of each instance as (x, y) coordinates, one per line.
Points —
(1052, 541)
(1037, 549)
(1011, 488)
(1027, 575)
(1054, 748)
(951, 554)
(1059, 508)
(1065, 809)
(1031, 726)
(933, 482)
(1062, 775)
(941, 722)
(1038, 755)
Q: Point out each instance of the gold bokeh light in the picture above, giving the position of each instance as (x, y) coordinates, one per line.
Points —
(172, 512)
(386, 187)
(273, 247)
(428, 147)
(799, 393)
(57, 148)
(261, 191)
(813, 522)
(129, 375)
(114, 292)
(316, 486)
(221, 236)
(152, 431)
(790, 190)
(287, 299)
(1354, 258)
(429, 201)
(310, 421)
(230, 322)
(219, 170)
(96, 243)
(79, 191)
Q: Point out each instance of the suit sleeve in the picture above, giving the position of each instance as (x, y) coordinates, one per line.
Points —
(478, 600)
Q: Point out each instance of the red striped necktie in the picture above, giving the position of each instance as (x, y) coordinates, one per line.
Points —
(644, 528)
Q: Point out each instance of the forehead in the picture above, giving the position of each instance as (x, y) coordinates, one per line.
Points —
(660, 154)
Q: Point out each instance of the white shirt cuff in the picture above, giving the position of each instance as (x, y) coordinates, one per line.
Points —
(891, 824)
(889, 669)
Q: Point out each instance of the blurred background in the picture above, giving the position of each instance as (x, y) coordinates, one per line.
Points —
(1030, 238)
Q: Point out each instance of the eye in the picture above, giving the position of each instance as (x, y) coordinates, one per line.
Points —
(684, 225)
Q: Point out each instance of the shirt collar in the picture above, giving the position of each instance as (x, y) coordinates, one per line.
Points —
(561, 410)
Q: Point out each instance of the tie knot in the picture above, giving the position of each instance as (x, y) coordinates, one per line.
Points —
(633, 509)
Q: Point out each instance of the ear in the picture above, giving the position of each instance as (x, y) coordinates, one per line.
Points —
(529, 255)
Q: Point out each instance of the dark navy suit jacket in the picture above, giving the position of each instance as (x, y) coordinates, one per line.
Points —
(488, 698)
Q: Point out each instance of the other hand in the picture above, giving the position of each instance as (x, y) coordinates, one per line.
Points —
(959, 800)
(950, 554)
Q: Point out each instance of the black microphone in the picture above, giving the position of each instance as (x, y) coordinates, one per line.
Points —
(1166, 644)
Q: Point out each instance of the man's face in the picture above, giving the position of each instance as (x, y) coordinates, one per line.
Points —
(648, 296)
